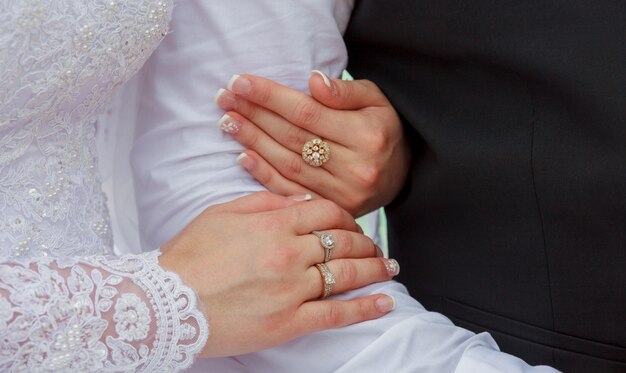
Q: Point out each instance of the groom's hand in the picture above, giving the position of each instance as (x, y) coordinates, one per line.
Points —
(252, 263)
(369, 156)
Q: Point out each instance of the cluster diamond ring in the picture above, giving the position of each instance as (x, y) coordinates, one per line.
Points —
(316, 152)
(327, 278)
(328, 243)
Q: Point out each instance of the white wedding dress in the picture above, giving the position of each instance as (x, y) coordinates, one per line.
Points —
(67, 304)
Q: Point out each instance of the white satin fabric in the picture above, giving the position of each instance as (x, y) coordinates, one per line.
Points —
(182, 163)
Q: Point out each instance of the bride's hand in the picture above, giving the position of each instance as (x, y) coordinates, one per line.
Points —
(369, 154)
(252, 263)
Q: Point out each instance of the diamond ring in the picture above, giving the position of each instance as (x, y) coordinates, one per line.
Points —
(316, 152)
(328, 243)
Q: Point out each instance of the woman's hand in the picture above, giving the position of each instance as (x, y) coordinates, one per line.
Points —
(252, 263)
(369, 155)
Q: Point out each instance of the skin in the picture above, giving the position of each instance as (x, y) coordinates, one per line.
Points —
(256, 274)
(369, 154)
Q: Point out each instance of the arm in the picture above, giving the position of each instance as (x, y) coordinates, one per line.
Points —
(183, 161)
(244, 259)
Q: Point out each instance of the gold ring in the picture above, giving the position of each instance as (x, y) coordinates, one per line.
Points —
(327, 278)
(316, 152)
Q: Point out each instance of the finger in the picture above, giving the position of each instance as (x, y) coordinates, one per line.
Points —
(267, 175)
(345, 94)
(330, 314)
(256, 202)
(320, 215)
(347, 245)
(352, 274)
(280, 129)
(289, 135)
(247, 130)
(288, 163)
(295, 106)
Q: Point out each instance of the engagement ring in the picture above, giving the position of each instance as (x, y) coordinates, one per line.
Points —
(328, 243)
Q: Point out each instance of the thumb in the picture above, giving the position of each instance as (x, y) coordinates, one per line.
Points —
(345, 94)
(260, 202)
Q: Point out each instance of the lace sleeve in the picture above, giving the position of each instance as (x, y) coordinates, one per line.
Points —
(97, 314)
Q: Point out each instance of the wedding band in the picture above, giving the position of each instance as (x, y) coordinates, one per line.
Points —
(328, 243)
(316, 152)
(328, 278)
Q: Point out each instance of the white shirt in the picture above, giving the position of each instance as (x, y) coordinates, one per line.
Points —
(183, 163)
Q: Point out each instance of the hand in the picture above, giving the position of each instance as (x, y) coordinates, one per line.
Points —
(369, 155)
(252, 263)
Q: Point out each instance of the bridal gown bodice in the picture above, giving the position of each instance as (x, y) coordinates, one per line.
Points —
(65, 303)
(60, 62)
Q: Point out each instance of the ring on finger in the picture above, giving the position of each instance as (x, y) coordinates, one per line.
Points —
(328, 243)
(315, 152)
(328, 279)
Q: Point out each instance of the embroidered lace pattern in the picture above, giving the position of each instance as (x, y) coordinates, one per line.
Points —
(64, 306)
(97, 314)
(60, 62)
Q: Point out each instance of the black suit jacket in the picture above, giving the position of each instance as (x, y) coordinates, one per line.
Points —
(513, 219)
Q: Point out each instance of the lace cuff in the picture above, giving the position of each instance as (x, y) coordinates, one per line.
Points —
(97, 314)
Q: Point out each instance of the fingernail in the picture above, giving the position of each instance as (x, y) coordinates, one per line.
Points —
(245, 161)
(228, 124)
(379, 252)
(393, 267)
(240, 85)
(301, 197)
(385, 304)
(225, 99)
(326, 79)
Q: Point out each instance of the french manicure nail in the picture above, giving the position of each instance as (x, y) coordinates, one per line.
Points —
(229, 125)
(385, 304)
(240, 85)
(245, 161)
(393, 267)
(327, 81)
(325, 77)
(301, 197)
(225, 99)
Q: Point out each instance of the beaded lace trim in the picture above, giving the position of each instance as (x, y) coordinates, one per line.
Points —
(97, 314)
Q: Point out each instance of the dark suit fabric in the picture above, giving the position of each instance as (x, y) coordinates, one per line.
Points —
(513, 218)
